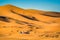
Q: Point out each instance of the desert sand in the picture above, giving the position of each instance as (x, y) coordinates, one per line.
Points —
(28, 24)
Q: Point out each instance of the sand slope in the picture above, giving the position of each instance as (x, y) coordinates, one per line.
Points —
(28, 24)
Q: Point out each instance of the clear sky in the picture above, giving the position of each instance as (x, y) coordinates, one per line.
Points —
(49, 5)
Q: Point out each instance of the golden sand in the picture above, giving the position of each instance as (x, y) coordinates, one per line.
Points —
(28, 24)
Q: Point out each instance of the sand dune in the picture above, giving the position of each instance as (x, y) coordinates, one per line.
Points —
(28, 24)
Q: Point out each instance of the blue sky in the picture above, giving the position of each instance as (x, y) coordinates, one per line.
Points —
(49, 5)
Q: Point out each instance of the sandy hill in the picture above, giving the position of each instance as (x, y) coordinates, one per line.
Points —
(28, 24)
